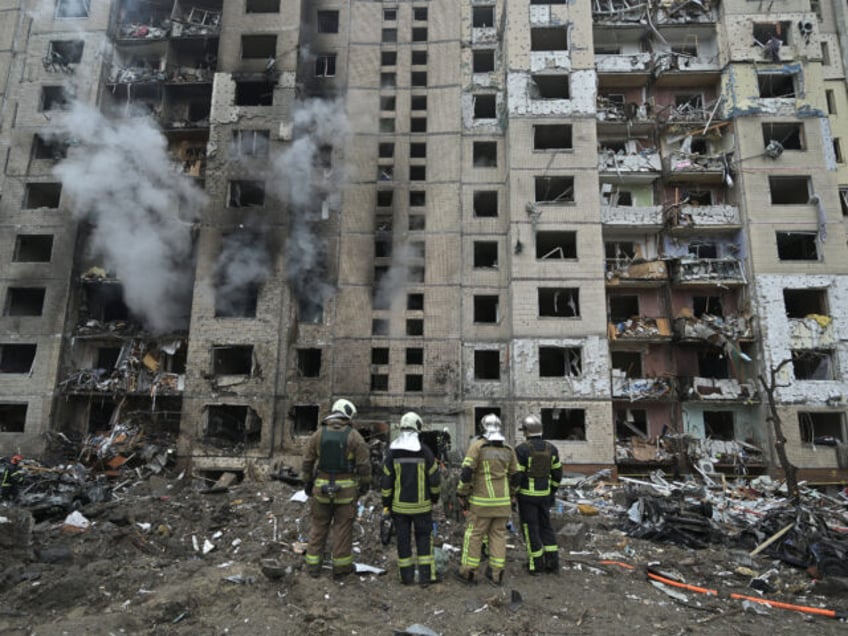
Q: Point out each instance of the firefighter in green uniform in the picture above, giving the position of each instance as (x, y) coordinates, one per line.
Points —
(410, 487)
(541, 472)
(487, 483)
(336, 469)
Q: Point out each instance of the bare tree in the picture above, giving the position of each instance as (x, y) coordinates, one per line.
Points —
(790, 471)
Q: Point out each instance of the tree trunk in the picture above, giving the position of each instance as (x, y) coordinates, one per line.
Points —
(789, 470)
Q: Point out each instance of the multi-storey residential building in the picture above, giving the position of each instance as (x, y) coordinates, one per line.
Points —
(216, 217)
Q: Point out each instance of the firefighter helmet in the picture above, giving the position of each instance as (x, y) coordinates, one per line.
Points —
(411, 421)
(342, 409)
(531, 426)
(491, 425)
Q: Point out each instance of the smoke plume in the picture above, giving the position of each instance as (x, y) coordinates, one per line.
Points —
(242, 266)
(120, 178)
(394, 280)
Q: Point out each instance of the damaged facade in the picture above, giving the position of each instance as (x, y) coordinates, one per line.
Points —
(427, 206)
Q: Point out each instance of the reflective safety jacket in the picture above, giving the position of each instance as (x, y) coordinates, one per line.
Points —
(410, 483)
(337, 460)
(539, 466)
(489, 478)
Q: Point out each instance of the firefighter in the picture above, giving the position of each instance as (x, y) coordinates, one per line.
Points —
(410, 488)
(336, 470)
(11, 476)
(541, 472)
(487, 484)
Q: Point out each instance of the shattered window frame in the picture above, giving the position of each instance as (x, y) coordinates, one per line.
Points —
(721, 424)
(258, 46)
(798, 246)
(65, 52)
(325, 65)
(55, 98)
(304, 419)
(484, 154)
(790, 134)
(814, 365)
(483, 61)
(233, 360)
(560, 362)
(487, 365)
(485, 106)
(564, 424)
(71, 9)
(554, 190)
(485, 255)
(627, 419)
(245, 193)
(17, 357)
(41, 194)
(24, 301)
(553, 137)
(549, 38)
(556, 245)
(790, 189)
(483, 16)
(550, 305)
(800, 303)
(247, 426)
(251, 143)
(28, 246)
(768, 83)
(13, 417)
(309, 362)
(821, 427)
(486, 309)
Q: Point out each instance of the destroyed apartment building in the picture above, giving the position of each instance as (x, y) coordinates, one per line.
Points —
(217, 217)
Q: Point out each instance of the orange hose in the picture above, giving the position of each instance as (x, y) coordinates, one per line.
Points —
(620, 564)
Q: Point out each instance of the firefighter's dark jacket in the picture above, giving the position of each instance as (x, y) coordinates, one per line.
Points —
(337, 455)
(410, 483)
(539, 466)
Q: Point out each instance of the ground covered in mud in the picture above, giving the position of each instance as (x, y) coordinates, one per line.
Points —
(171, 555)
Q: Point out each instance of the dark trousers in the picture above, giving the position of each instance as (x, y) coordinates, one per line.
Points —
(336, 522)
(422, 524)
(539, 535)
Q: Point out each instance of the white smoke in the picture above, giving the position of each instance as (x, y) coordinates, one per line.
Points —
(243, 264)
(394, 281)
(120, 178)
(310, 189)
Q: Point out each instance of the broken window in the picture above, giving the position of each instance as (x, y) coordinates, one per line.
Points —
(620, 250)
(630, 362)
(388, 80)
(558, 190)
(487, 365)
(236, 301)
(418, 78)
(485, 107)
(232, 424)
(24, 301)
(564, 424)
(788, 135)
(485, 154)
(385, 150)
(718, 425)
(328, 21)
(415, 302)
(384, 198)
(776, 85)
(419, 34)
(42, 195)
(417, 198)
(232, 360)
(417, 222)
(419, 58)
(379, 327)
(821, 427)
(482, 17)
(305, 419)
(33, 248)
(553, 38)
(556, 245)
(414, 327)
(63, 52)
(379, 381)
(486, 309)
(623, 307)
(245, 194)
(688, 101)
(550, 86)
(485, 203)
(486, 254)
(48, 148)
(418, 124)
(483, 60)
(710, 305)
(712, 364)
(413, 382)
(250, 143)
(559, 302)
(559, 362)
(271, 6)
(698, 249)
(552, 137)
(417, 173)
(107, 357)
(325, 65)
(380, 355)
(800, 303)
(414, 355)
(254, 94)
(763, 32)
(387, 124)
(258, 47)
(12, 417)
(630, 422)
(813, 364)
(789, 190)
(16, 358)
(382, 248)
(389, 35)
(105, 302)
(388, 58)
(797, 246)
(419, 14)
(418, 150)
(418, 102)
(72, 8)
(309, 362)
(415, 274)
(310, 310)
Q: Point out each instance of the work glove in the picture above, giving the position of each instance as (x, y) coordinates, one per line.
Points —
(363, 488)
(462, 500)
(307, 488)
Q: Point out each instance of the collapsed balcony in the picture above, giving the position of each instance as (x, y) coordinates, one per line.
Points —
(725, 271)
(718, 389)
(713, 329)
(642, 11)
(697, 167)
(681, 216)
(639, 328)
(633, 389)
(813, 331)
(711, 456)
(624, 270)
(628, 157)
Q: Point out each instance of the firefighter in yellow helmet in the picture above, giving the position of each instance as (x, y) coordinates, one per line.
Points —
(410, 488)
(487, 483)
(336, 470)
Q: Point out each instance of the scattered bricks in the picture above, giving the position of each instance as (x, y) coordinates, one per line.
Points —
(572, 536)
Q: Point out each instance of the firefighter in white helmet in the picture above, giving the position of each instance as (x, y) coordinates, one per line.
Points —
(410, 488)
(336, 470)
(541, 471)
(487, 484)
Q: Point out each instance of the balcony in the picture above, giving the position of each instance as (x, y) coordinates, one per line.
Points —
(629, 161)
(638, 328)
(631, 216)
(636, 65)
(714, 329)
(718, 389)
(636, 12)
(633, 389)
(620, 271)
(704, 217)
(671, 65)
(693, 167)
(814, 331)
(726, 271)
